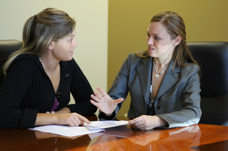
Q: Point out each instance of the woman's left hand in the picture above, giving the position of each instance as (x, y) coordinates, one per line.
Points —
(147, 122)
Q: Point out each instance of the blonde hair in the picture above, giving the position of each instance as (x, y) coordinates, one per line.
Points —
(40, 30)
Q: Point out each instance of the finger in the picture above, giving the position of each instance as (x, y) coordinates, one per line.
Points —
(139, 124)
(76, 120)
(135, 120)
(102, 91)
(119, 100)
(131, 122)
(94, 103)
(83, 119)
(94, 98)
(98, 95)
(70, 123)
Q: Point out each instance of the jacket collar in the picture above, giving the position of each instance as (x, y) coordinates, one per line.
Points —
(144, 71)
(169, 79)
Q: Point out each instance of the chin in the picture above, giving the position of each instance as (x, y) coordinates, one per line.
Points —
(151, 54)
(70, 58)
(67, 59)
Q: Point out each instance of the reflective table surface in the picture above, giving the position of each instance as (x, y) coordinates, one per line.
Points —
(199, 137)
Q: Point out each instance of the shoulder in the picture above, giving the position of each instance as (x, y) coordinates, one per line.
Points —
(136, 57)
(190, 69)
(24, 66)
(26, 61)
(27, 58)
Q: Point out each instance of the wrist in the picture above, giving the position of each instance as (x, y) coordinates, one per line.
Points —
(109, 114)
(46, 119)
(54, 119)
(160, 122)
(105, 116)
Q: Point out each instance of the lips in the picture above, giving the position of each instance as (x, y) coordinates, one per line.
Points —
(151, 49)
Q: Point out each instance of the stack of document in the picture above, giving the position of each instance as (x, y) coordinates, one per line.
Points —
(93, 127)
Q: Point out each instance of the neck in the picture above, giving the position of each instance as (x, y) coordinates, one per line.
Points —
(49, 63)
(162, 61)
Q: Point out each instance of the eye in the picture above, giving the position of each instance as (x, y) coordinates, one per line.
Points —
(157, 38)
(71, 39)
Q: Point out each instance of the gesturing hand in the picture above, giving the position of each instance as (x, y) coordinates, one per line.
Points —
(104, 102)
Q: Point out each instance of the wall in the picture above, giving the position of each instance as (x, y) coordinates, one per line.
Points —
(91, 30)
(206, 20)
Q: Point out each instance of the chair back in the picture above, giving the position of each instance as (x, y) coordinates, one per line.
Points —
(213, 60)
(7, 47)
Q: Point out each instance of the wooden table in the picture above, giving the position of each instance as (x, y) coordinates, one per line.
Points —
(197, 137)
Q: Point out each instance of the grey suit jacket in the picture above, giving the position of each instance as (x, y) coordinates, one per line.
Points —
(177, 101)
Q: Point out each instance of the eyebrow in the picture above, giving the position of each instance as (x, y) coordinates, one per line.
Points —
(71, 35)
(153, 34)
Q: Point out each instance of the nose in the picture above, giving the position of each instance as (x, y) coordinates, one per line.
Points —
(150, 41)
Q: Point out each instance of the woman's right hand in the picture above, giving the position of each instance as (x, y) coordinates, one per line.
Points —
(104, 102)
(71, 119)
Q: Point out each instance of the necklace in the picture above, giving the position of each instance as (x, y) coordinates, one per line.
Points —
(157, 74)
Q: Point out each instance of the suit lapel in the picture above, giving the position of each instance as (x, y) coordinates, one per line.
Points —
(144, 73)
(169, 80)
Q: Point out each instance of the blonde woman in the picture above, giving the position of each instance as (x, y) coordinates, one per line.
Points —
(41, 75)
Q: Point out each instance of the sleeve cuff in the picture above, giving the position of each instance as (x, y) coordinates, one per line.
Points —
(28, 119)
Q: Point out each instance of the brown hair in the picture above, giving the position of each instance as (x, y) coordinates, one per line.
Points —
(40, 30)
(175, 27)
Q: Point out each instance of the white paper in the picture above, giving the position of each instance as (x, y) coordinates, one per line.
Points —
(66, 130)
(105, 124)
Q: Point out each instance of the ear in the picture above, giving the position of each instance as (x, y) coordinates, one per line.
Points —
(51, 46)
(177, 40)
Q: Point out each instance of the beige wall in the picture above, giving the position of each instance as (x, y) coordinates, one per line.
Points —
(91, 30)
(206, 20)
